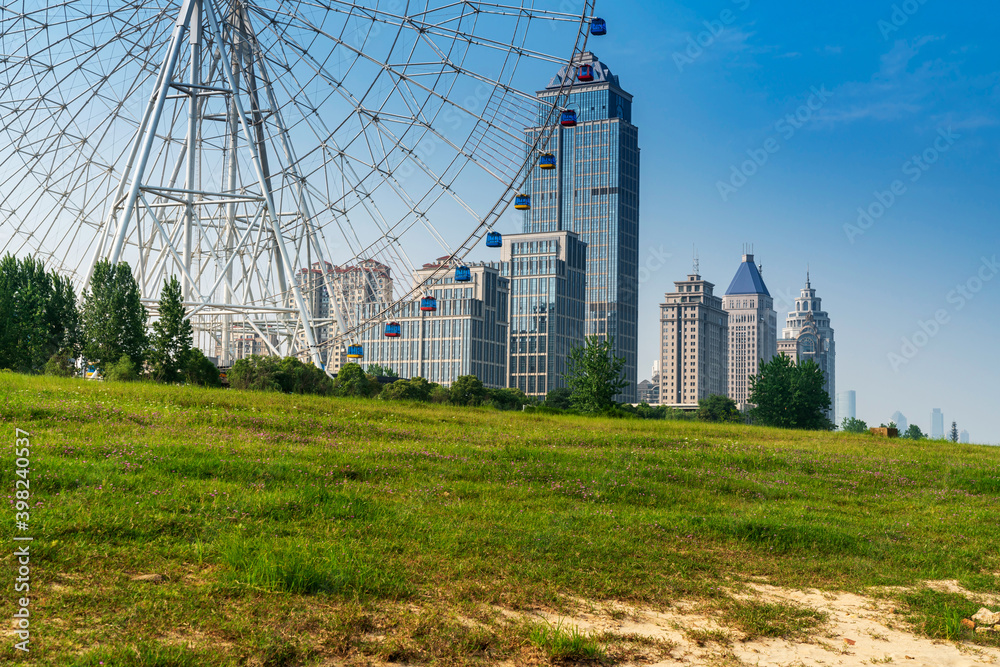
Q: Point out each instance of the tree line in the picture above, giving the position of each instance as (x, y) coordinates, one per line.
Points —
(45, 327)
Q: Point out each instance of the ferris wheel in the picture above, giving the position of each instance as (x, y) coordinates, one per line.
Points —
(240, 144)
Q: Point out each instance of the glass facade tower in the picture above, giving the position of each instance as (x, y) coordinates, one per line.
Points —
(594, 192)
(547, 306)
(466, 335)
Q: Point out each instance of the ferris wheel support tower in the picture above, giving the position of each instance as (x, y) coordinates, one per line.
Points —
(134, 190)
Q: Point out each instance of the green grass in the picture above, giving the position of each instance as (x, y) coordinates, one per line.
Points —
(563, 644)
(316, 526)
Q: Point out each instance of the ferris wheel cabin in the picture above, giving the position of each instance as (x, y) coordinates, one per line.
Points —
(462, 274)
(548, 161)
(428, 304)
(494, 240)
(522, 203)
(598, 27)
(568, 118)
(585, 73)
(393, 330)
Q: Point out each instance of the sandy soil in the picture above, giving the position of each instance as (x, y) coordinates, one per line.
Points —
(860, 631)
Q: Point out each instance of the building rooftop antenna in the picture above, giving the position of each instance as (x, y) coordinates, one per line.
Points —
(696, 263)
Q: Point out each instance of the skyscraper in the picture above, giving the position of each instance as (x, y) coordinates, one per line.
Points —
(847, 405)
(547, 306)
(808, 336)
(937, 423)
(753, 328)
(901, 422)
(594, 191)
(694, 343)
(963, 437)
(367, 282)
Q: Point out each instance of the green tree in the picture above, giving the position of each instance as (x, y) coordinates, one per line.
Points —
(352, 381)
(506, 399)
(39, 316)
(595, 375)
(718, 408)
(852, 425)
(381, 371)
(60, 365)
(199, 370)
(114, 319)
(467, 390)
(296, 377)
(122, 370)
(414, 389)
(170, 344)
(559, 398)
(256, 372)
(914, 433)
(953, 436)
(790, 395)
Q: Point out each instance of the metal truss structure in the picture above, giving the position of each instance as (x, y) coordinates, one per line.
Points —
(238, 144)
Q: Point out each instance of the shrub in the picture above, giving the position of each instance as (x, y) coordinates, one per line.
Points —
(255, 373)
(506, 399)
(296, 377)
(414, 389)
(199, 370)
(122, 370)
(467, 390)
(60, 365)
(438, 394)
(352, 381)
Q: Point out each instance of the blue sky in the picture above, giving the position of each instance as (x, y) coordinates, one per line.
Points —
(894, 111)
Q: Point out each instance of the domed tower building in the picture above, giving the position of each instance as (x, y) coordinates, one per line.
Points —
(808, 335)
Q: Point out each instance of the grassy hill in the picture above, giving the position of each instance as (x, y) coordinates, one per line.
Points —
(182, 526)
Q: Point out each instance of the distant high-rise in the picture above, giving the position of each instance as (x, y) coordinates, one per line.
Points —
(963, 437)
(367, 282)
(808, 336)
(466, 335)
(594, 191)
(753, 328)
(547, 272)
(847, 405)
(937, 423)
(900, 420)
(694, 343)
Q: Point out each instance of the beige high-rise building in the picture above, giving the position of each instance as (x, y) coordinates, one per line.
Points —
(694, 344)
(808, 336)
(753, 328)
(354, 286)
(466, 334)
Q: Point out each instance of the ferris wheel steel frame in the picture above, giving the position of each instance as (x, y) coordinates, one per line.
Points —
(248, 225)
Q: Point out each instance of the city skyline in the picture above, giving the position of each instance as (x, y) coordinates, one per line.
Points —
(862, 104)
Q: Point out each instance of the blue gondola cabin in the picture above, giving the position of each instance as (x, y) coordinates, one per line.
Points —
(462, 274)
(598, 27)
(522, 203)
(392, 330)
(568, 118)
(494, 240)
(548, 161)
(355, 352)
(585, 73)
(428, 304)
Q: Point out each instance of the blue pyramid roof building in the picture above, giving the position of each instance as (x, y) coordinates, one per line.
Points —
(747, 279)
